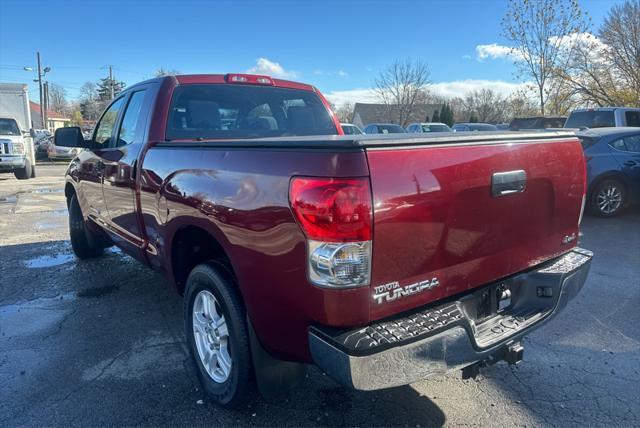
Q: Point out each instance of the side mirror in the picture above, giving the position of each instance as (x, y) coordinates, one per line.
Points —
(70, 137)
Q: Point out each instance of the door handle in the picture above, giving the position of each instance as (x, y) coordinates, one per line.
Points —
(508, 182)
(630, 163)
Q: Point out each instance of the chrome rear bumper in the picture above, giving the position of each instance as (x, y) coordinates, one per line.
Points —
(434, 340)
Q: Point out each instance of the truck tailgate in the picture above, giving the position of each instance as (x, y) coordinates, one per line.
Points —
(437, 215)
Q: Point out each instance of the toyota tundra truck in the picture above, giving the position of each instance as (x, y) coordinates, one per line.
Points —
(382, 259)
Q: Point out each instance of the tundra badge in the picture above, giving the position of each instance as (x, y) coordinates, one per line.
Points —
(392, 291)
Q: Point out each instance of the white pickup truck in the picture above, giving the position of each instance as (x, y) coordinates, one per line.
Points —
(17, 152)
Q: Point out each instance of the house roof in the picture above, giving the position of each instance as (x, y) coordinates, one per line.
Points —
(370, 113)
(35, 108)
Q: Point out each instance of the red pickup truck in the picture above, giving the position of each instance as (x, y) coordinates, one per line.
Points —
(382, 259)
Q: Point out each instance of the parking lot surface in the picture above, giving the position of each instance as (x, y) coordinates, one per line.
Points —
(100, 342)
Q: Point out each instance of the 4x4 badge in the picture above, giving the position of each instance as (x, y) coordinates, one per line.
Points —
(392, 291)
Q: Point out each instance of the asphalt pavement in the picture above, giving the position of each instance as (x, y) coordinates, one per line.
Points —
(101, 342)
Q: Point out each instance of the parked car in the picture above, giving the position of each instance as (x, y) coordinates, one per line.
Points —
(466, 127)
(613, 168)
(603, 117)
(381, 260)
(42, 147)
(384, 128)
(537, 122)
(61, 153)
(350, 129)
(428, 127)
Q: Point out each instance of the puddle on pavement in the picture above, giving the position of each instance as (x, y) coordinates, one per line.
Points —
(47, 190)
(8, 199)
(97, 292)
(49, 261)
(35, 315)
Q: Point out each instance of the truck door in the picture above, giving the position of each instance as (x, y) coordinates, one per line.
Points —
(92, 167)
(119, 184)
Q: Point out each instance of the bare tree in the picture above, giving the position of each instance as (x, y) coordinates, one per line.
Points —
(58, 98)
(621, 33)
(486, 105)
(345, 112)
(402, 87)
(520, 104)
(540, 31)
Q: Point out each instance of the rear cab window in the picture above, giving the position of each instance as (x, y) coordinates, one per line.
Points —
(591, 119)
(632, 118)
(220, 111)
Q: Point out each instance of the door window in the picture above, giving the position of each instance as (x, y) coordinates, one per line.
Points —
(130, 120)
(632, 143)
(104, 130)
(618, 144)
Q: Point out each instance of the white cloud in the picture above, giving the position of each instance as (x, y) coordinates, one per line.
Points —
(340, 73)
(456, 88)
(271, 68)
(459, 88)
(494, 51)
(362, 95)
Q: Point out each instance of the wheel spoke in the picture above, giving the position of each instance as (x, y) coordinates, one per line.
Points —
(224, 361)
(221, 325)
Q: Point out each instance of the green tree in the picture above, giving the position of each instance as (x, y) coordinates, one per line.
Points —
(104, 88)
(165, 72)
(436, 116)
(76, 118)
(446, 114)
(473, 119)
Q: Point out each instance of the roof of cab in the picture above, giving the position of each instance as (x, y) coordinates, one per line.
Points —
(185, 79)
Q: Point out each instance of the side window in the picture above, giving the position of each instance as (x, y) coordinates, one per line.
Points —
(130, 120)
(618, 144)
(633, 118)
(104, 129)
(633, 143)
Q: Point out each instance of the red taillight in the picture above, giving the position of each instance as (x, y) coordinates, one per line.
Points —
(332, 209)
(248, 79)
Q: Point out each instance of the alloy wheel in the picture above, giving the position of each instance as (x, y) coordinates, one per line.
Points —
(211, 335)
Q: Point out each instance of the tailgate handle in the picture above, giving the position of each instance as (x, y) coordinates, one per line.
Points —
(508, 182)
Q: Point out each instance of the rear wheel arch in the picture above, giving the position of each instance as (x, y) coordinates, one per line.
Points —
(192, 245)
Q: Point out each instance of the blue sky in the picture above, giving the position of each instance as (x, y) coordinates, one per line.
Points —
(337, 46)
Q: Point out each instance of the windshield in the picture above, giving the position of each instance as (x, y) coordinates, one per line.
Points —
(9, 127)
(435, 128)
(591, 119)
(391, 129)
(245, 111)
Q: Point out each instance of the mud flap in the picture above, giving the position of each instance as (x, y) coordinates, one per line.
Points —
(274, 377)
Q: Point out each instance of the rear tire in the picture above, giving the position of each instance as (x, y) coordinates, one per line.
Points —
(608, 198)
(80, 240)
(218, 338)
(25, 172)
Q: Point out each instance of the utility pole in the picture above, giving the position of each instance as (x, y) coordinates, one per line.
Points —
(41, 73)
(40, 86)
(111, 81)
(45, 107)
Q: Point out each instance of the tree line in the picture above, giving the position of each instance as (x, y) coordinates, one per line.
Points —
(562, 63)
